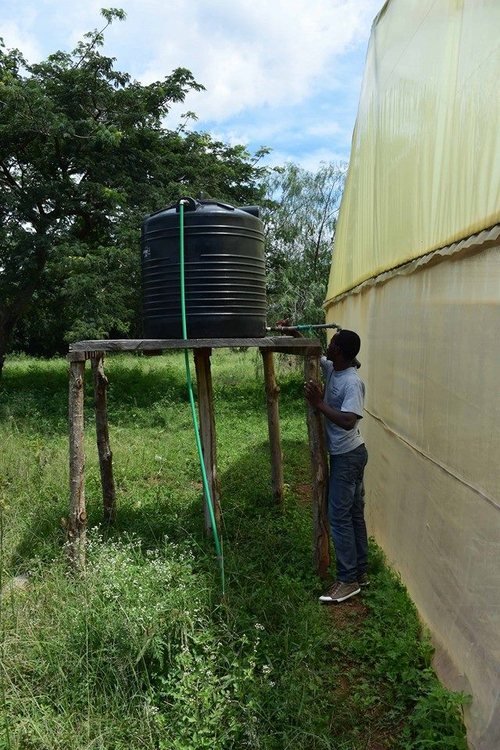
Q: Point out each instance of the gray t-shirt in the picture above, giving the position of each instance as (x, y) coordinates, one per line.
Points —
(345, 391)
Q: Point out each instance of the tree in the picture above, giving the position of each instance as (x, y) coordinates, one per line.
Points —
(84, 154)
(300, 220)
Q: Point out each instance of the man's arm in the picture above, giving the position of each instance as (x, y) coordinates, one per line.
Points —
(344, 419)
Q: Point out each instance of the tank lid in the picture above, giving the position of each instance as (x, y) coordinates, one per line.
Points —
(202, 203)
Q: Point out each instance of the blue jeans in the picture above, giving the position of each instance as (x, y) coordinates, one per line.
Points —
(346, 513)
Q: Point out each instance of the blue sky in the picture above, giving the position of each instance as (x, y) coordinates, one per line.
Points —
(279, 73)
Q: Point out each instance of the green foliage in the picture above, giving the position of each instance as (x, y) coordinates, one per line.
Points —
(300, 220)
(140, 650)
(435, 721)
(400, 658)
(84, 155)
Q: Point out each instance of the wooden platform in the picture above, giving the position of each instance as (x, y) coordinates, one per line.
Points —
(286, 344)
(95, 351)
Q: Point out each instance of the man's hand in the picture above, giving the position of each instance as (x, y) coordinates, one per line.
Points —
(289, 328)
(313, 392)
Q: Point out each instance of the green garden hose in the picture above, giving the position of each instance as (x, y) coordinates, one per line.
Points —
(220, 557)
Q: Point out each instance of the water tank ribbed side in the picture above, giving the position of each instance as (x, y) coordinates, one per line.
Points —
(224, 274)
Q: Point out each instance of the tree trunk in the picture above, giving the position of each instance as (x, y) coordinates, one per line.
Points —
(105, 455)
(319, 465)
(11, 314)
(76, 525)
(273, 423)
(207, 434)
(4, 341)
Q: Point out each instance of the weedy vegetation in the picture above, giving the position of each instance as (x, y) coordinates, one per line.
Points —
(140, 650)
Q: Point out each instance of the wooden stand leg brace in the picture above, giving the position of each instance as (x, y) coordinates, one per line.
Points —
(207, 431)
(76, 525)
(317, 447)
(103, 448)
(273, 421)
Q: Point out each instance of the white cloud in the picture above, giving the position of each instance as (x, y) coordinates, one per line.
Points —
(311, 161)
(16, 37)
(251, 54)
(273, 71)
(245, 53)
(329, 129)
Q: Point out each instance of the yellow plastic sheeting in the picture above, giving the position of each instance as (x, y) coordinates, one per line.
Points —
(430, 359)
(425, 160)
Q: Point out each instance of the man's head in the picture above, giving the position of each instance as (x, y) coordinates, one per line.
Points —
(343, 348)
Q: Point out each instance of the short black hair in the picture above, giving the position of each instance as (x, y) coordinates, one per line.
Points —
(348, 342)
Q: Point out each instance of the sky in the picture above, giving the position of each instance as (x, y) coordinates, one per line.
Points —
(285, 74)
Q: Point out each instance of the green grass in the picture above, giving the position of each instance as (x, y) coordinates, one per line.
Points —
(141, 650)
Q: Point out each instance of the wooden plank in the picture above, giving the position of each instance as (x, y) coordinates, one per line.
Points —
(103, 446)
(84, 355)
(299, 349)
(76, 524)
(273, 423)
(286, 344)
(319, 465)
(207, 434)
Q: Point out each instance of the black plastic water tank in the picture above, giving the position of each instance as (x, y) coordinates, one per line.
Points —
(224, 272)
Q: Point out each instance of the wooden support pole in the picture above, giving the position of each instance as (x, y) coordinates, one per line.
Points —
(207, 433)
(273, 422)
(103, 447)
(76, 525)
(319, 464)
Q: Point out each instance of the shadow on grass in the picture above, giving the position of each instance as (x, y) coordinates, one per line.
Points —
(270, 596)
(152, 510)
(35, 394)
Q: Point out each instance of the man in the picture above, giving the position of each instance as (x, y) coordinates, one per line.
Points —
(342, 407)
